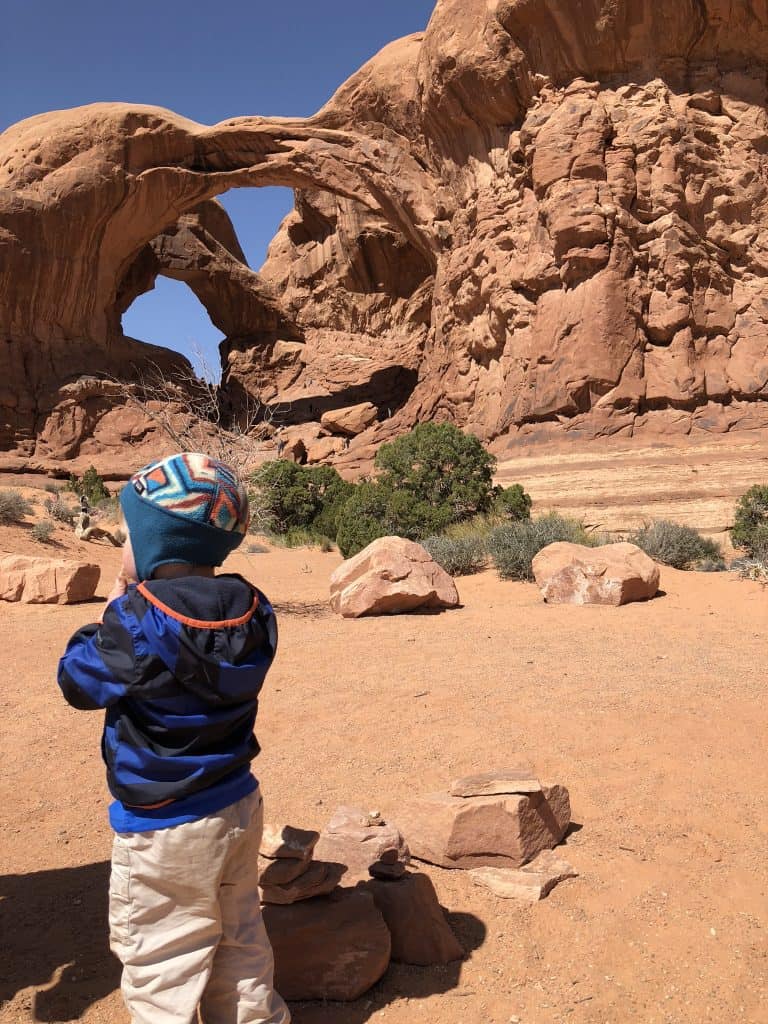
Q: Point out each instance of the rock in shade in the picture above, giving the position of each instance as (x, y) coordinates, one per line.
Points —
(282, 870)
(390, 872)
(350, 421)
(520, 779)
(493, 831)
(532, 882)
(319, 879)
(389, 577)
(46, 580)
(418, 925)
(285, 841)
(335, 947)
(355, 838)
(614, 574)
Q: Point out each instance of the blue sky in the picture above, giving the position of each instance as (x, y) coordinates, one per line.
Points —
(208, 62)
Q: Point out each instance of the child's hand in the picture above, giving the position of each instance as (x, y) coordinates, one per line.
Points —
(119, 587)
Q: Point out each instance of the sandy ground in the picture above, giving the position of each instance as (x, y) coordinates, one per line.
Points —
(653, 715)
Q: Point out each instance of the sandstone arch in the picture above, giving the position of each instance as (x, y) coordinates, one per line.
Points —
(575, 192)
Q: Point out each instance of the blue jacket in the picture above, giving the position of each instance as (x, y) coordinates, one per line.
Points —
(178, 665)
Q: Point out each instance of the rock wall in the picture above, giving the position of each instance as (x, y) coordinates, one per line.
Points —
(534, 219)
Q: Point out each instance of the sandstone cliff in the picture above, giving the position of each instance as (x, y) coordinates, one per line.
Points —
(536, 218)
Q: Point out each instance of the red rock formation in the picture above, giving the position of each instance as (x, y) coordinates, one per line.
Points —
(533, 218)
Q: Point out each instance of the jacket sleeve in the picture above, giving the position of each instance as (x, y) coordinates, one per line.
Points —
(100, 662)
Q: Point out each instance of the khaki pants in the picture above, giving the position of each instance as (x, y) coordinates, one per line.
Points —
(185, 922)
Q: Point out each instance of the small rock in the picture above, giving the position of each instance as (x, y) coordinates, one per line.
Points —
(285, 841)
(319, 879)
(282, 870)
(420, 932)
(532, 882)
(520, 779)
(490, 831)
(387, 871)
(353, 837)
(334, 947)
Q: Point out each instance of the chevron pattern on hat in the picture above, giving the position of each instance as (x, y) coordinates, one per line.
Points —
(196, 486)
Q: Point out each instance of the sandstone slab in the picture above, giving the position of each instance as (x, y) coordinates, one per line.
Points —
(532, 882)
(420, 931)
(389, 577)
(615, 574)
(354, 838)
(350, 421)
(282, 870)
(46, 580)
(493, 831)
(278, 841)
(319, 879)
(519, 779)
(334, 947)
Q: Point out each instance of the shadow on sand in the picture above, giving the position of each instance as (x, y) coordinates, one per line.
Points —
(55, 938)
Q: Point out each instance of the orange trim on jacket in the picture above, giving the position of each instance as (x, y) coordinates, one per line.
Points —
(197, 623)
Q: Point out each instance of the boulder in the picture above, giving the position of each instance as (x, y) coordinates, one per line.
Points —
(492, 831)
(360, 841)
(334, 947)
(319, 879)
(615, 574)
(350, 421)
(324, 449)
(46, 580)
(391, 576)
(416, 921)
(532, 882)
(520, 779)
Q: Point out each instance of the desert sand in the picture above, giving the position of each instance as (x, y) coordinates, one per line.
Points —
(653, 715)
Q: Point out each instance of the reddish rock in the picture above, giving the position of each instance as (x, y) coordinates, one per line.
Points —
(281, 871)
(389, 577)
(286, 841)
(46, 580)
(354, 838)
(350, 421)
(532, 882)
(418, 925)
(520, 779)
(334, 947)
(324, 449)
(318, 879)
(615, 574)
(493, 831)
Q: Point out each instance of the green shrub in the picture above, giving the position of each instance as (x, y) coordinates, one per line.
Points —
(678, 546)
(90, 484)
(43, 530)
(513, 546)
(59, 510)
(440, 466)
(512, 503)
(257, 549)
(288, 496)
(750, 529)
(13, 507)
(712, 565)
(375, 510)
(459, 556)
(52, 488)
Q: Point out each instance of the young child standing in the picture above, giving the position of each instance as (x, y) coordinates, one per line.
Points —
(178, 663)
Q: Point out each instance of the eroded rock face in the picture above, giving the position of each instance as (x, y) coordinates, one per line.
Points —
(533, 219)
(389, 577)
(614, 574)
(46, 580)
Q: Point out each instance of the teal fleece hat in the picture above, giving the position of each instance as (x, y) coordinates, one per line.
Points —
(187, 508)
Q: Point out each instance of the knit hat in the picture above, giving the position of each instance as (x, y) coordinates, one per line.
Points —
(187, 508)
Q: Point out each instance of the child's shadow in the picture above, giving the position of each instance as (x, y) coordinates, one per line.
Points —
(54, 928)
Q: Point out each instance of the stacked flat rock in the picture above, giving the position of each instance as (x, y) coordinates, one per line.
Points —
(499, 819)
(287, 871)
(364, 843)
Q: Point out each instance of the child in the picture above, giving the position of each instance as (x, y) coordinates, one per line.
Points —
(178, 663)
